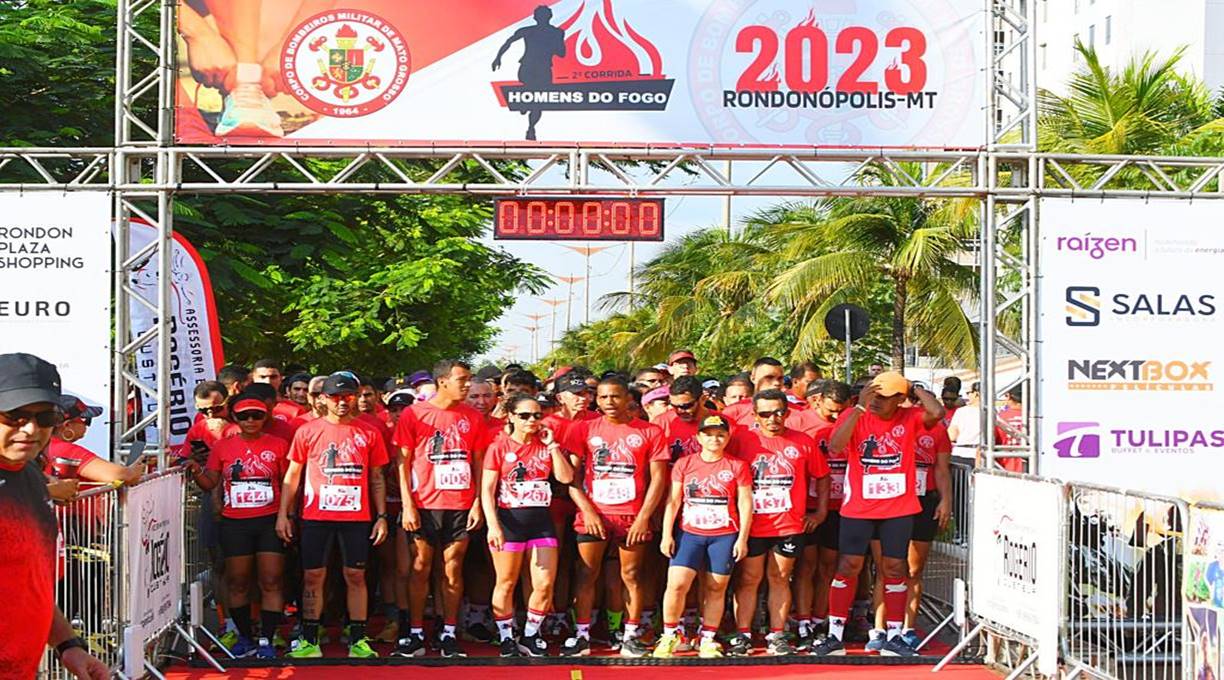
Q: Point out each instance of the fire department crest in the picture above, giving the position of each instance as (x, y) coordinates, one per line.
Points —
(345, 63)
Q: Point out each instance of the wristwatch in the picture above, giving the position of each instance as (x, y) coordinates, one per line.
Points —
(861, 407)
(70, 643)
(383, 515)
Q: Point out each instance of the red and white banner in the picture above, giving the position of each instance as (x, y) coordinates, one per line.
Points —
(832, 73)
(195, 350)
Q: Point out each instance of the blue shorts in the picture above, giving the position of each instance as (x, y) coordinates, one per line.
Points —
(705, 553)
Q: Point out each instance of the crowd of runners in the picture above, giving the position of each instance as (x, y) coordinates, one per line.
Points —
(646, 513)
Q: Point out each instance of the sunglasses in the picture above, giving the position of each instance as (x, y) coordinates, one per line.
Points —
(780, 413)
(684, 407)
(212, 410)
(528, 415)
(19, 418)
(249, 415)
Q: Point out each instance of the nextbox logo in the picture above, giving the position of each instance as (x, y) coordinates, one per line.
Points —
(1086, 305)
(1096, 247)
(1139, 374)
(1081, 440)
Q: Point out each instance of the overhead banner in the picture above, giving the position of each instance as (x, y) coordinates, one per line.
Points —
(770, 73)
(55, 282)
(195, 345)
(1016, 537)
(1131, 295)
(155, 554)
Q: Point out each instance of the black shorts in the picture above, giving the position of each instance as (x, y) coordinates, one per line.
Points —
(925, 526)
(786, 546)
(245, 537)
(442, 527)
(893, 534)
(828, 531)
(318, 537)
(521, 525)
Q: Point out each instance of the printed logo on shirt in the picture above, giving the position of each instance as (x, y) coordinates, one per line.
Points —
(342, 460)
(614, 458)
(446, 447)
(884, 452)
(926, 441)
(776, 471)
(680, 448)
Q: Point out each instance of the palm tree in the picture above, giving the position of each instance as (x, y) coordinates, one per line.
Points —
(842, 250)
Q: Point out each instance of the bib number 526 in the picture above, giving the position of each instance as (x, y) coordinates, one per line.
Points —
(805, 58)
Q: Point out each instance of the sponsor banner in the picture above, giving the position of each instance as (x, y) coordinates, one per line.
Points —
(55, 292)
(155, 553)
(839, 73)
(195, 350)
(1203, 591)
(1131, 301)
(1016, 536)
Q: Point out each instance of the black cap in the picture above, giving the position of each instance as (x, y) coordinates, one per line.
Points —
(546, 400)
(488, 373)
(400, 400)
(26, 379)
(340, 383)
(75, 408)
(571, 383)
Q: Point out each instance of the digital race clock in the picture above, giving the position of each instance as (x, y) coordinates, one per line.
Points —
(578, 219)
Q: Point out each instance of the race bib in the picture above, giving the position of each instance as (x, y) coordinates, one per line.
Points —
(613, 491)
(770, 500)
(526, 494)
(707, 517)
(837, 486)
(453, 476)
(340, 498)
(882, 487)
(250, 495)
(921, 479)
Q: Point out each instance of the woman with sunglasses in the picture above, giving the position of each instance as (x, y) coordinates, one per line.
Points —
(516, 499)
(250, 467)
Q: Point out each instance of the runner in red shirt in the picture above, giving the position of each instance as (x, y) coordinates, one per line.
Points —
(624, 463)
(341, 459)
(66, 460)
(711, 494)
(934, 487)
(826, 400)
(250, 469)
(782, 461)
(736, 391)
(516, 495)
(442, 442)
(213, 425)
(397, 567)
(679, 423)
(879, 437)
(268, 372)
(274, 426)
(767, 374)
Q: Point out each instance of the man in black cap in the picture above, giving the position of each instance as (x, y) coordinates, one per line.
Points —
(29, 410)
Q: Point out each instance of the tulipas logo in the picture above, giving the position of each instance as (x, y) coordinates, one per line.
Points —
(1086, 305)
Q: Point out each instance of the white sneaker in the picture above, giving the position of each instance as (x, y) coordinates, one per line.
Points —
(247, 111)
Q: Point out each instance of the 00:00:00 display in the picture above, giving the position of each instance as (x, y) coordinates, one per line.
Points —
(579, 218)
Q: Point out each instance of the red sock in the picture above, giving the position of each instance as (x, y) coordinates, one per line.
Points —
(841, 595)
(895, 594)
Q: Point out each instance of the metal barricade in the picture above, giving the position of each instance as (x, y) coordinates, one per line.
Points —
(948, 561)
(1123, 564)
(88, 588)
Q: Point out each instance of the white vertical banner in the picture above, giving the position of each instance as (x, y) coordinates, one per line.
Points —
(1016, 535)
(154, 512)
(1130, 304)
(195, 350)
(55, 263)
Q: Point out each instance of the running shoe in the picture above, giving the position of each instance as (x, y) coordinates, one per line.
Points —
(739, 645)
(828, 646)
(242, 648)
(389, 632)
(533, 645)
(509, 648)
(228, 638)
(478, 632)
(304, 650)
(247, 112)
(667, 646)
(876, 643)
(615, 637)
(449, 647)
(278, 641)
(265, 649)
(912, 639)
(634, 648)
(779, 644)
(897, 647)
(803, 643)
(360, 649)
(709, 649)
(408, 647)
(576, 646)
(687, 642)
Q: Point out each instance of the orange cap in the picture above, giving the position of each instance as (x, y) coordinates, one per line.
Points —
(891, 383)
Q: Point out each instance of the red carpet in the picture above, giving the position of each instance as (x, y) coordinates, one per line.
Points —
(795, 672)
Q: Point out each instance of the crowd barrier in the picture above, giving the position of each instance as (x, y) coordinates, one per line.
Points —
(947, 568)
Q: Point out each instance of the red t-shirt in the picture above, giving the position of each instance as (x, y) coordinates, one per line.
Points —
(806, 421)
(445, 444)
(65, 459)
(28, 534)
(251, 474)
(377, 423)
(820, 433)
(279, 428)
(881, 476)
(741, 413)
(781, 467)
(927, 447)
(337, 458)
(679, 435)
(617, 462)
(286, 410)
(199, 432)
(710, 491)
(523, 472)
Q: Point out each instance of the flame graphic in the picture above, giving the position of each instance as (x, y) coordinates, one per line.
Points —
(772, 76)
(601, 46)
(810, 20)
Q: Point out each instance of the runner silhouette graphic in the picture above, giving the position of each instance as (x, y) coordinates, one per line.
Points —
(541, 43)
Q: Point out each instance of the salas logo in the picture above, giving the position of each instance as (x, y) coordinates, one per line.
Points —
(1086, 306)
(593, 60)
(345, 63)
(1090, 439)
(1139, 374)
(1096, 247)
